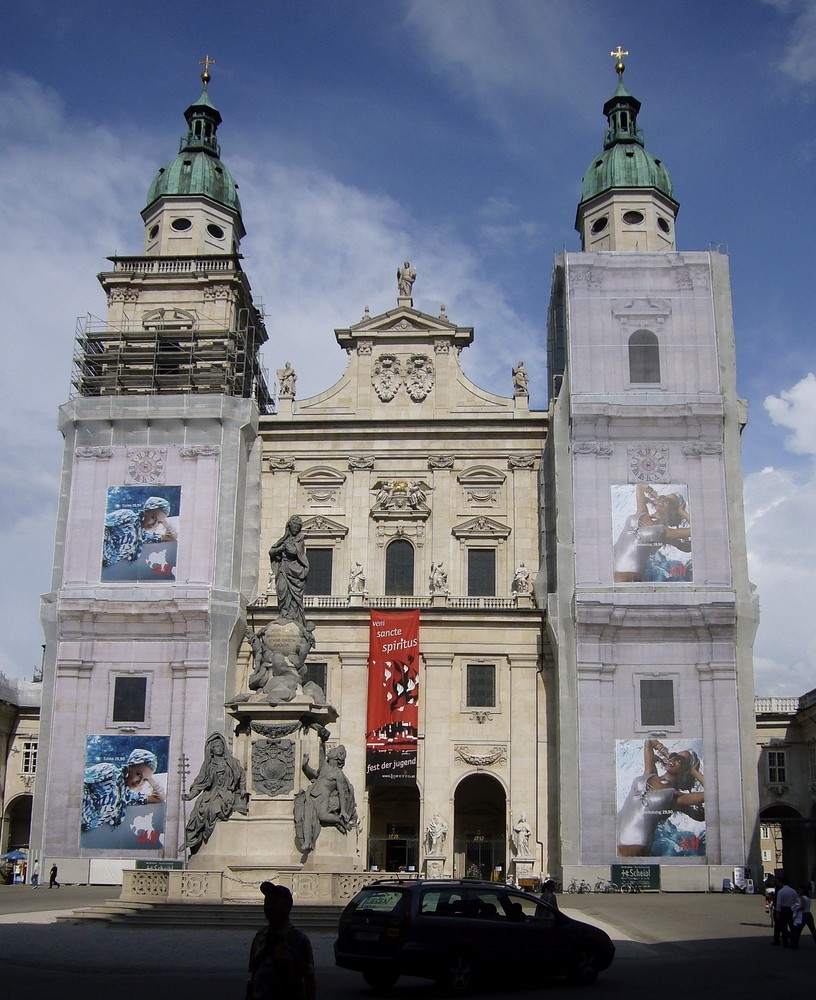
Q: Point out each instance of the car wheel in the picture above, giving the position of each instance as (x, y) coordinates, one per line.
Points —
(585, 970)
(381, 980)
(457, 973)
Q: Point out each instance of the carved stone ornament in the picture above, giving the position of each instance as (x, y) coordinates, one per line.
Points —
(521, 461)
(440, 462)
(215, 292)
(281, 463)
(592, 447)
(146, 465)
(419, 377)
(275, 732)
(442, 347)
(587, 276)
(495, 755)
(361, 462)
(694, 449)
(649, 465)
(273, 767)
(200, 450)
(387, 377)
(123, 295)
(88, 452)
(364, 346)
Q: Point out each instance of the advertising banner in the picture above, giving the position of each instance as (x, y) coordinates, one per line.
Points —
(393, 694)
(660, 798)
(124, 792)
(141, 533)
(651, 533)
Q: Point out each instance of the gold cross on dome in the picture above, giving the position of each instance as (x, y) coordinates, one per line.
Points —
(619, 54)
(206, 62)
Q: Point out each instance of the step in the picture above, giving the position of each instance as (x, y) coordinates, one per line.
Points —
(311, 918)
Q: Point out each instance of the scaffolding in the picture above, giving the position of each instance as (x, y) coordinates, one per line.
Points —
(169, 358)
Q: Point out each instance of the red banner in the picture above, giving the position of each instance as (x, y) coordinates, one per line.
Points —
(393, 695)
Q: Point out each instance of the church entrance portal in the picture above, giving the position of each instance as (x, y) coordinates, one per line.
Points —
(393, 835)
(480, 835)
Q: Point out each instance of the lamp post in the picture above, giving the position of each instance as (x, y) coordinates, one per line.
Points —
(183, 770)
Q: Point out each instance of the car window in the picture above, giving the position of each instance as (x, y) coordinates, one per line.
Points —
(442, 903)
(528, 908)
(486, 905)
(385, 901)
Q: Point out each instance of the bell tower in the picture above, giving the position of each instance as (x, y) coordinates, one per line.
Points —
(627, 198)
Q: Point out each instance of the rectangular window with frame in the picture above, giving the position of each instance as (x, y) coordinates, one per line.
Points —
(28, 765)
(481, 685)
(481, 572)
(319, 580)
(317, 672)
(657, 702)
(129, 699)
(777, 767)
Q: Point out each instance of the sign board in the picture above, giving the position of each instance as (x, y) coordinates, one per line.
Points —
(638, 876)
(158, 866)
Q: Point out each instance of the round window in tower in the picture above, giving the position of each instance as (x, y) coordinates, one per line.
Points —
(181, 225)
(216, 232)
(663, 224)
(633, 218)
(154, 232)
(599, 225)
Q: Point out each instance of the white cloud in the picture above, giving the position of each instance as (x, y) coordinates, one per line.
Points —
(795, 409)
(799, 59)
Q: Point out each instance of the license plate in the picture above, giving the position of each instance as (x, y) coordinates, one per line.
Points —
(367, 935)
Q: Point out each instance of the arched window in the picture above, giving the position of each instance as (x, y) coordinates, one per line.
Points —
(399, 569)
(644, 357)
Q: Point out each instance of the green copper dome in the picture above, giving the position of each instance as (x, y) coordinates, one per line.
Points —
(197, 170)
(624, 162)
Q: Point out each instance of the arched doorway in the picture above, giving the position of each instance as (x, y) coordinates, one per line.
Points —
(17, 824)
(393, 828)
(788, 833)
(480, 829)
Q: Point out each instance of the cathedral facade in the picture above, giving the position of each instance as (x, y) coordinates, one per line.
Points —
(580, 686)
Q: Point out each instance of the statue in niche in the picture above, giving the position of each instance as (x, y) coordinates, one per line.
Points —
(520, 380)
(435, 834)
(406, 276)
(329, 800)
(521, 581)
(221, 790)
(273, 766)
(521, 837)
(357, 580)
(287, 378)
(438, 579)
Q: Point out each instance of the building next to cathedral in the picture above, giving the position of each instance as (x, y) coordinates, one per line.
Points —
(490, 641)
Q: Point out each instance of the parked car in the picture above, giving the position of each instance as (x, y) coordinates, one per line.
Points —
(456, 931)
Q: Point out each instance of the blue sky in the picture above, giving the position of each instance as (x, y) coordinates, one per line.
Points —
(453, 133)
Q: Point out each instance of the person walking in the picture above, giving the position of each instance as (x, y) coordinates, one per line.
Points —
(786, 899)
(805, 918)
(281, 962)
(35, 873)
(52, 877)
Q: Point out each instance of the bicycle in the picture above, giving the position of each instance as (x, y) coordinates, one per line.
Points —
(579, 885)
(605, 885)
(630, 887)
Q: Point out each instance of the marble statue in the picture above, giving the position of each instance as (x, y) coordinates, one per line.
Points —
(520, 381)
(521, 581)
(287, 377)
(438, 579)
(436, 833)
(406, 276)
(357, 580)
(290, 567)
(221, 790)
(329, 800)
(521, 837)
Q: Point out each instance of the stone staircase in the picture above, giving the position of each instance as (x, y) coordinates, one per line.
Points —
(315, 918)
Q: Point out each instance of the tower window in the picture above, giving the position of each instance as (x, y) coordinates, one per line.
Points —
(663, 224)
(599, 225)
(399, 569)
(644, 357)
(181, 225)
(129, 699)
(657, 702)
(319, 580)
(154, 232)
(216, 232)
(633, 218)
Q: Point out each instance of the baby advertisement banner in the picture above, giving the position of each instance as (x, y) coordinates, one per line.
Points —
(393, 693)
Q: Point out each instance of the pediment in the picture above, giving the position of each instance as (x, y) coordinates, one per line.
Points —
(481, 527)
(404, 323)
(169, 319)
(481, 483)
(321, 477)
(323, 527)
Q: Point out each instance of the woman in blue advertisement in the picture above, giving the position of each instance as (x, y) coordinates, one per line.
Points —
(109, 789)
(671, 784)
